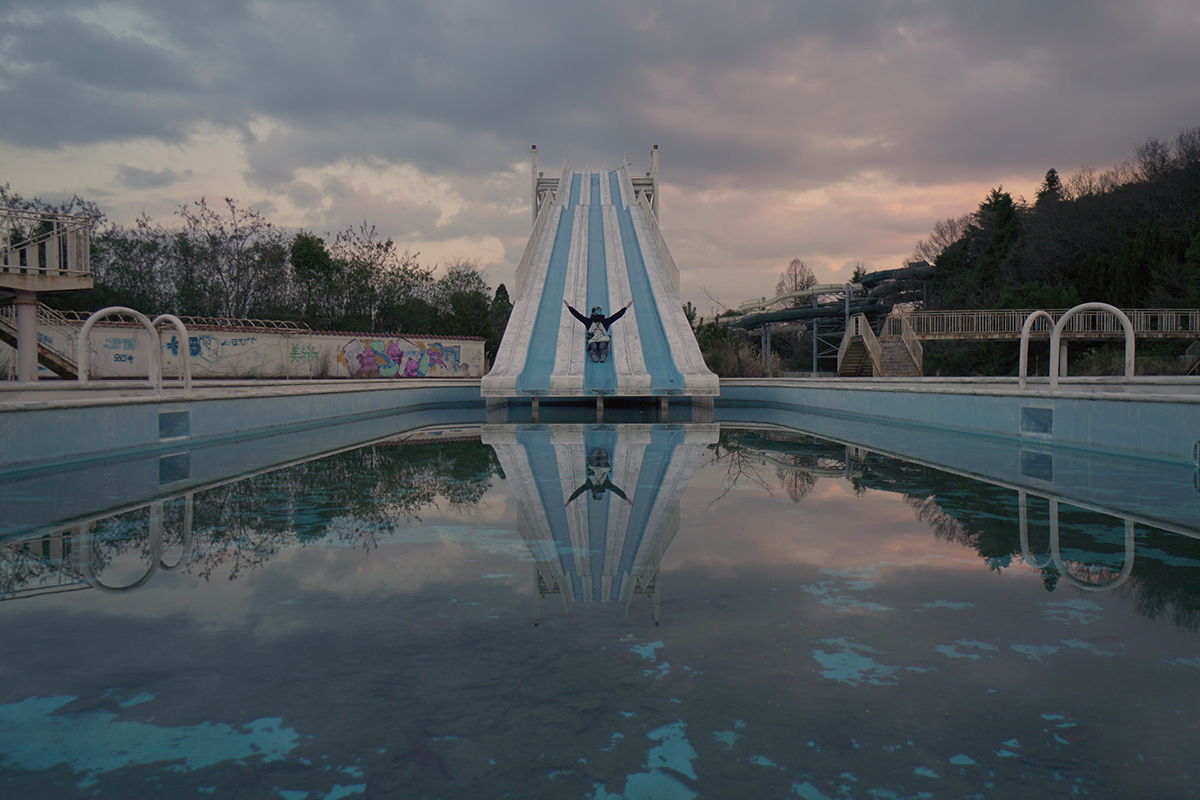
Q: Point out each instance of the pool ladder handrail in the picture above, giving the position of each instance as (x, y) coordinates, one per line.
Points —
(84, 552)
(1056, 340)
(151, 326)
(1056, 554)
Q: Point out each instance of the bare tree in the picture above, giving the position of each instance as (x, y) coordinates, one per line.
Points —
(796, 277)
(945, 233)
(230, 262)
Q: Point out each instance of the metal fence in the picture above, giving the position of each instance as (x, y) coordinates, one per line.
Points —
(1161, 323)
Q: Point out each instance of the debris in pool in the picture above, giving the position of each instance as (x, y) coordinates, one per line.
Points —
(945, 604)
(647, 651)
(1036, 652)
(669, 775)
(808, 792)
(140, 697)
(1068, 611)
(726, 738)
(95, 742)
(850, 666)
(1078, 645)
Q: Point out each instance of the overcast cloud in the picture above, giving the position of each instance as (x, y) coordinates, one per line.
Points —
(832, 131)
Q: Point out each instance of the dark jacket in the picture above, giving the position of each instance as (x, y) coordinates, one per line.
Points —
(605, 321)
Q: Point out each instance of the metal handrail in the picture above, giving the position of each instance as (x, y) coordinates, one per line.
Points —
(860, 326)
(1154, 321)
(1056, 337)
(155, 367)
(1026, 331)
(230, 323)
(913, 344)
(1056, 553)
(47, 318)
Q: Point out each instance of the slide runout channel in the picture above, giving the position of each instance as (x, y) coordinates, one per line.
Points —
(665, 377)
(514, 349)
(684, 348)
(568, 375)
(600, 378)
(534, 378)
(632, 378)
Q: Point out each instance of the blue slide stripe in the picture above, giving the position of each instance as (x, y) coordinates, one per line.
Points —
(598, 378)
(543, 341)
(665, 377)
(656, 460)
(543, 462)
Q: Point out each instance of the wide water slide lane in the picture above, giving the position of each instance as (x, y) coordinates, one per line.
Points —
(598, 377)
(665, 377)
(543, 342)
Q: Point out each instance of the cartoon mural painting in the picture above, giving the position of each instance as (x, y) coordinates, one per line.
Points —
(376, 358)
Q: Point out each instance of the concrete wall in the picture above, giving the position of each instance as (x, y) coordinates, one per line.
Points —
(123, 353)
(1160, 426)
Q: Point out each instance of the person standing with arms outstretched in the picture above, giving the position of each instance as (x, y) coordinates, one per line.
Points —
(597, 326)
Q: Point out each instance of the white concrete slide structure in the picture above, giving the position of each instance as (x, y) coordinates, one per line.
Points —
(596, 242)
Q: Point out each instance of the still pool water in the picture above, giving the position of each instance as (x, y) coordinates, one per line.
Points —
(602, 612)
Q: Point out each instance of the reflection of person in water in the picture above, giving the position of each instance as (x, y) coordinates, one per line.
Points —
(599, 478)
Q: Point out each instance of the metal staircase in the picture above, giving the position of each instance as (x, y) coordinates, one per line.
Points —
(52, 358)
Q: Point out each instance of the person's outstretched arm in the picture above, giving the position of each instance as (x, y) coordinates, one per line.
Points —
(616, 490)
(617, 315)
(576, 314)
(576, 493)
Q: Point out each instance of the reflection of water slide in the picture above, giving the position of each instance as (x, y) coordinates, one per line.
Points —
(598, 547)
(596, 243)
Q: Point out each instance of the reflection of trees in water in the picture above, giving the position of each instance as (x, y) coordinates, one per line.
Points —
(735, 457)
(354, 496)
(1164, 584)
(793, 458)
(796, 481)
(945, 527)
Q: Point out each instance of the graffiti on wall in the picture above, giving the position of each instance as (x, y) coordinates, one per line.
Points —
(400, 358)
(207, 348)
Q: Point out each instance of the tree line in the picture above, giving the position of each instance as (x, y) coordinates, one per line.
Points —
(1129, 236)
(228, 260)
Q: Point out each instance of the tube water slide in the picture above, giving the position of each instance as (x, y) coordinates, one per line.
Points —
(596, 243)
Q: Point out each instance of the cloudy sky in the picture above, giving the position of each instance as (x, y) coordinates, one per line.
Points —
(830, 131)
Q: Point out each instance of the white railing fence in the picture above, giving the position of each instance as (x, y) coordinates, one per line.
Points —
(969, 324)
(33, 242)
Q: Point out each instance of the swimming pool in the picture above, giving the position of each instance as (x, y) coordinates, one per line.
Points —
(750, 608)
